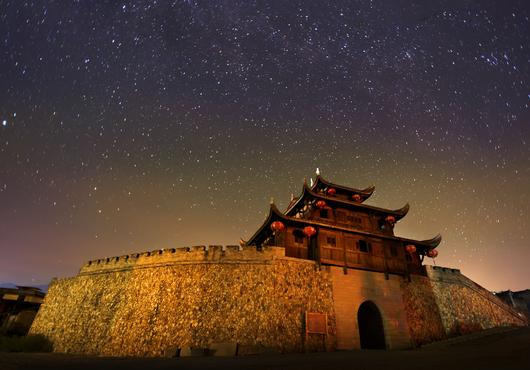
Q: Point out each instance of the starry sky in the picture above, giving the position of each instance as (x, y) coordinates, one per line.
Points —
(136, 125)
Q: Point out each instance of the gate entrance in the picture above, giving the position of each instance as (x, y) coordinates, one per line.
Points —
(371, 329)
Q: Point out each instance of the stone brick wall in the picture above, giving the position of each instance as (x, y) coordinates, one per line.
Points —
(140, 305)
(466, 306)
(357, 286)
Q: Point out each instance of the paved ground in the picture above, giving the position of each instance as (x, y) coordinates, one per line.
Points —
(496, 350)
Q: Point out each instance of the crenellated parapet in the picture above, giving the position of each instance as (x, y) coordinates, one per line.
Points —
(149, 303)
(184, 255)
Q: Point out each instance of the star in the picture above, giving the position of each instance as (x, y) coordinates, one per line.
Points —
(186, 114)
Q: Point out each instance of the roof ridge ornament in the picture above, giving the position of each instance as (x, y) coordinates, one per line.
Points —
(318, 171)
(311, 182)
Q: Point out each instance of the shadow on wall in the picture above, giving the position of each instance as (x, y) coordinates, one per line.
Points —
(462, 328)
(29, 343)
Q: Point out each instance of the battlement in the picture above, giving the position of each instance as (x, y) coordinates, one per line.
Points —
(443, 273)
(184, 255)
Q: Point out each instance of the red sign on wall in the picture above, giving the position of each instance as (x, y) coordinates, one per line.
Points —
(316, 323)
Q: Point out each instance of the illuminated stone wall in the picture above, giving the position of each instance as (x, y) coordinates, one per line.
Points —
(141, 305)
(423, 315)
(465, 306)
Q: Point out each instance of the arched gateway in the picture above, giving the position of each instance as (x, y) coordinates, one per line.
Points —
(371, 329)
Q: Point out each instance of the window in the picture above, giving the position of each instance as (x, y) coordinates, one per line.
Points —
(364, 246)
(323, 213)
(298, 236)
(331, 241)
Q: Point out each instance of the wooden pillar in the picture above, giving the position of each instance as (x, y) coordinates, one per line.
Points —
(385, 261)
(345, 256)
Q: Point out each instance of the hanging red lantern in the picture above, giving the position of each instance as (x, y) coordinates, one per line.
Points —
(433, 253)
(390, 219)
(321, 204)
(410, 248)
(331, 192)
(309, 231)
(356, 197)
(277, 226)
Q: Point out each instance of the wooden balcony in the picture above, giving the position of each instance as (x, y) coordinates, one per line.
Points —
(366, 261)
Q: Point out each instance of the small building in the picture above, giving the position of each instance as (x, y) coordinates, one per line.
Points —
(18, 307)
(519, 300)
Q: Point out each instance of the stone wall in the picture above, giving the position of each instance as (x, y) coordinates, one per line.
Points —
(423, 315)
(465, 306)
(143, 304)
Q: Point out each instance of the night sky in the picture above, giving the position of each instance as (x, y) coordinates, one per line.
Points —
(131, 126)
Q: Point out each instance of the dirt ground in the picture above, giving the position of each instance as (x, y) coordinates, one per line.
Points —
(498, 350)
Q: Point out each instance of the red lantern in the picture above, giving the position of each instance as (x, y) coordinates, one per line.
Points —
(331, 192)
(410, 248)
(321, 204)
(433, 253)
(390, 219)
(356, 197)
(277, 226)
(309, 231)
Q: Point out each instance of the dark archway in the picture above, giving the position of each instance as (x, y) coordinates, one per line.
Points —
(371, 329)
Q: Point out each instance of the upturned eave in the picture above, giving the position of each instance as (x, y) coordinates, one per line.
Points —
(276, 215)
(308, 192)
